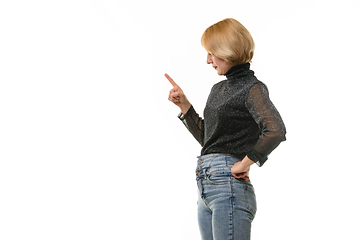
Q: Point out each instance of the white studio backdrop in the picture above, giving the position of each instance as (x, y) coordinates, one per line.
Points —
(90, 148)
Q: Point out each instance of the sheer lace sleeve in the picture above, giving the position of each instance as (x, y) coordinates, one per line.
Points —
(269, 121)
(194, 124)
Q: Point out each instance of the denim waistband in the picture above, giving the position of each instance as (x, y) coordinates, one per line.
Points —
(217, 160)
(215, 164)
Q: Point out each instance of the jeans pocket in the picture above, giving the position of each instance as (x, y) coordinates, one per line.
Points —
(218, 179)
(250, 198)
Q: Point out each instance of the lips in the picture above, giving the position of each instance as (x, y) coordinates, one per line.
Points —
(215, 67)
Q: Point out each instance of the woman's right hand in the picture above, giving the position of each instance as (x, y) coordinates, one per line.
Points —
(177, 96)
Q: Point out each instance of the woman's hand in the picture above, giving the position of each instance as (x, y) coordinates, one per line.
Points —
(177, 96)
(241, 169)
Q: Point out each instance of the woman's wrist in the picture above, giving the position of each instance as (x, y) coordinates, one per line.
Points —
(247, 161)
(185, 108)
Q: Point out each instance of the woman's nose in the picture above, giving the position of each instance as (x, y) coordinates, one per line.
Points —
(208, 59)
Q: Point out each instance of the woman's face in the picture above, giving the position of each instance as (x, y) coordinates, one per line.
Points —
(219, 64)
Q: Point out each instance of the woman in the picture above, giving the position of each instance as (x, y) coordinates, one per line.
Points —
(241, 126)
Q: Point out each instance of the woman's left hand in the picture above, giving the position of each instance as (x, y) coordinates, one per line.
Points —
(241, 169)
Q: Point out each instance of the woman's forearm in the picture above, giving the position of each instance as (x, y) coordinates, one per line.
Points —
(185, 107)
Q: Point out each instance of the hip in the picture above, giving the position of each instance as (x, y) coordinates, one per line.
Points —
(216, 168)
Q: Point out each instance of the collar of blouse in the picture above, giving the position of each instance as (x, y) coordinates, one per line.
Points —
(238, 71)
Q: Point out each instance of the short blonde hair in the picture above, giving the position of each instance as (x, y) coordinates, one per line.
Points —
(230, 41)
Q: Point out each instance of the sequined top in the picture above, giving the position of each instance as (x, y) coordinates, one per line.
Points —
(239, 118)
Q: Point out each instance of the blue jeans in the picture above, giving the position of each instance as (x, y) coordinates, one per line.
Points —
(226, 205)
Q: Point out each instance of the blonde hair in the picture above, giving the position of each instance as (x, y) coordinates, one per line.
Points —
(230, 41)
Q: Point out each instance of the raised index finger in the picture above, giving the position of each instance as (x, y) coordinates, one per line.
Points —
(171, 80)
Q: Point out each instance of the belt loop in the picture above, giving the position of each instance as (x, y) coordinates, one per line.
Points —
(206, 174)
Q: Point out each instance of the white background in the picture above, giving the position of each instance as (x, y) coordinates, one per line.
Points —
(90, 147)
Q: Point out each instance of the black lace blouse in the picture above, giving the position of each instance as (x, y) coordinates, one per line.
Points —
(239, 118)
